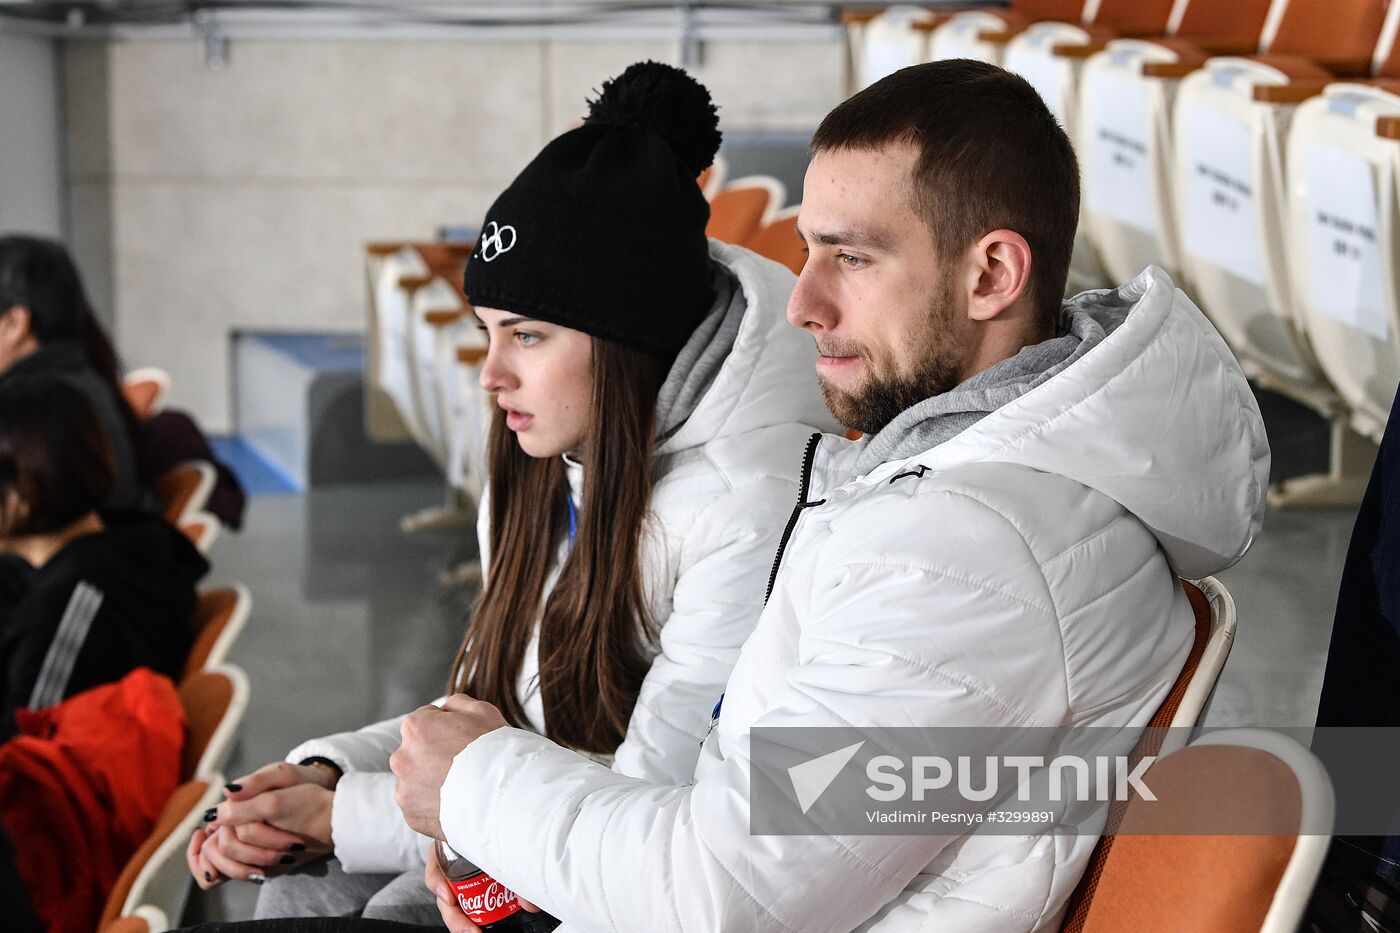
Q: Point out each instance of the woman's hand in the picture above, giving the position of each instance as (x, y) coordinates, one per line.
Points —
(275, 818)
(452, 915)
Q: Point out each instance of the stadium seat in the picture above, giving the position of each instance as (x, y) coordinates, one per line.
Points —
(436, 309)
(1342, 177)
(202, 528)
(1234, 841)
(185, 488)
(468, 408)
(881, 42)
(1050, 55)
(388, 330)
(1229, 124)
(778, 240)
(218, 619)
(1183, 708)
(145, 390)
(983, 34)
(155, 882)
(214, 700)
(743, 207)
(1124, 137)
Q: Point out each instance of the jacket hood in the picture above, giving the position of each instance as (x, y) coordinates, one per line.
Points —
(745, 367)
(1151, 410)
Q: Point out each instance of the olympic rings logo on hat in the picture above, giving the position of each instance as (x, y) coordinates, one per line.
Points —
(494, 241)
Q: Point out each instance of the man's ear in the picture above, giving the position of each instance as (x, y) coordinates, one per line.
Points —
(15, 323)
(1000, 274)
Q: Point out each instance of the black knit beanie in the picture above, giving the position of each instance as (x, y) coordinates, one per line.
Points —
(604, 232)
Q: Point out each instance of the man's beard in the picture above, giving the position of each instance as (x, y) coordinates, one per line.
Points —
(887, 393)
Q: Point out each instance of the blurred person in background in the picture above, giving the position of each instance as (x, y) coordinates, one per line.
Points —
(87, 592)
(48, 327)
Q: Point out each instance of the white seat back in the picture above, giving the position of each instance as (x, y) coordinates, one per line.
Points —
(1344, 240)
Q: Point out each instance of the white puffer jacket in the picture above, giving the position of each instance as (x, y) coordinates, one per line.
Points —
(1022, 573)
(723, 486)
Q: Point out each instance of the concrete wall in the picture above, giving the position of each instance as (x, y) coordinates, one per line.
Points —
(31, 191)
(209, 201)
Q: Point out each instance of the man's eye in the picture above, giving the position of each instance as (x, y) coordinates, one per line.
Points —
(854, 262)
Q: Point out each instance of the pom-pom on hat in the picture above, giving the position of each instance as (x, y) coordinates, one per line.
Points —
(604, 231)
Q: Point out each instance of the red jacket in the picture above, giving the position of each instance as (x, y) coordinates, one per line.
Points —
(81, 787)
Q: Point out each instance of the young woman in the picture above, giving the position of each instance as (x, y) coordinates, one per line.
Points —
(86, 596)
(653, 407)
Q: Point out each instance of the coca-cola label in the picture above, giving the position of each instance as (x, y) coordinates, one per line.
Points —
(484, 899)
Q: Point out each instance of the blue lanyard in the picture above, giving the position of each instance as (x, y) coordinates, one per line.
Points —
(573, 519)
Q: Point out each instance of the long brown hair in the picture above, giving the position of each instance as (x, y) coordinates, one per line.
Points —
(594, 626)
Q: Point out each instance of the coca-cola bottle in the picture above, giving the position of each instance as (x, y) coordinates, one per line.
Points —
(486, 902)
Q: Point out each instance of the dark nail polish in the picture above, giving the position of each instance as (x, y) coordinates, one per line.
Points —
(233, 788)
(286, 860)
(208, 877)
(211, 814)
(256, 879)
(296, 847)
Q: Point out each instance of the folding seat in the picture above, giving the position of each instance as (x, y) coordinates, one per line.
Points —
(154, 885)
(1229, 123)
(982, 34)
(202, 528)
(435, 309)
(214, 700)
(466, 405)
(218, 619)
(744, 206)
(185, 488)
(1050, 54)
(1183, 709)
(1235, 840)
(145, 390)
(387, 358)
(777, 240)
(1342, 171)
(879, 43)
(1124, 134)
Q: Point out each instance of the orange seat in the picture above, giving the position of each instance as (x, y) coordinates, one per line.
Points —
(1234, 840)
(214, 701)
(183, 809)
(202, 528)
(740, 209)
(185, 488)
(778, 241)
(219, 615)
(1149, 745)
(144, 390)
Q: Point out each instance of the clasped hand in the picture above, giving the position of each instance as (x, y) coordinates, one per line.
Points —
(278, 817)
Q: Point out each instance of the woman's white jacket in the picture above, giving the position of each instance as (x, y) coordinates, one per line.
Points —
(1022, 573)
(723, 486)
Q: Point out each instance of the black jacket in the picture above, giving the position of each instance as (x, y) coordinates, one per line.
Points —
(104, 605)
(1361, 686)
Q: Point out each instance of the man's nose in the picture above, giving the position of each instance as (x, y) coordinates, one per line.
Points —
(810, 306)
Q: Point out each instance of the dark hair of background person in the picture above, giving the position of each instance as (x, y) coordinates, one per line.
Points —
(991, 157)
(38, 274)
(595, 624)
(55, 465)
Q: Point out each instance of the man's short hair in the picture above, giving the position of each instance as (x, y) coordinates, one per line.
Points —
(991, 156)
